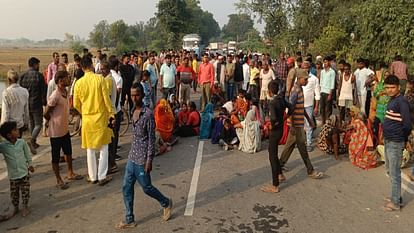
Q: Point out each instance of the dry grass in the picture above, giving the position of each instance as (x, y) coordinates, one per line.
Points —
(16, 58)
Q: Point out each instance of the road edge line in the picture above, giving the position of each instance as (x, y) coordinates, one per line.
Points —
(189, 209)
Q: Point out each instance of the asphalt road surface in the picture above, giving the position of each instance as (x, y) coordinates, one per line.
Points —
(219, 193)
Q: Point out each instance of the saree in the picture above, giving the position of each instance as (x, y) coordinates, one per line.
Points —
(206, 121)
(164, 120)
(359, 145)
(249, 134)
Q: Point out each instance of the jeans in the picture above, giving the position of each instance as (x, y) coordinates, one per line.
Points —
(35, 124)
(296, 137)
(274, 138)
(230, 91)
(135, 173)
(393, 158)
(308, 129)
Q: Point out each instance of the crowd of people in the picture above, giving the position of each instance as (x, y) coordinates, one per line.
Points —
(245, 99)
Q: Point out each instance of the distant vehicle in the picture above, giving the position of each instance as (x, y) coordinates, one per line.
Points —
(232, 47)
(191, 42)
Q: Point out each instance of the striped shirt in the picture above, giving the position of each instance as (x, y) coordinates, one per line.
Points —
(397, 122)
(298, 101)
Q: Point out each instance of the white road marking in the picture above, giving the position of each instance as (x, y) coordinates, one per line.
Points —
(34, 158)
(189, 209)
(404, 186)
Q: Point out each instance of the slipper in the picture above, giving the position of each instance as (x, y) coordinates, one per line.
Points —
(389, 207)
(62, 186)
(316, 175)
(105, 181)
(388, 200)
(75, 177)
(269, 189)
(114, 169)
(122, 225)
(88, 179)
(281, 178)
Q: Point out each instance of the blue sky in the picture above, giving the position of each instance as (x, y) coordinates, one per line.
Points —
(41, 19)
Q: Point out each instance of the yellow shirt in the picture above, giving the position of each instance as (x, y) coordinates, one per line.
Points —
(91, 99)
(195, 66)
(254, 73)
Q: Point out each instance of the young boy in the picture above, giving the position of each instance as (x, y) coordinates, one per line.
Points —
(396, 129)
(18, 160)
(228, 137)
(146, 84)
(57, 112)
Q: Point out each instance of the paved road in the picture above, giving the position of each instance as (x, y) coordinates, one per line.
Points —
(227, 198)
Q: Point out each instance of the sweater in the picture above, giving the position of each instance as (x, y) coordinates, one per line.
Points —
(397, 122)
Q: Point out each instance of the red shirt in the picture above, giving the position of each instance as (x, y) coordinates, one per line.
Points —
(183, 117)
(194, 121)
(206, 73)
(187, 74)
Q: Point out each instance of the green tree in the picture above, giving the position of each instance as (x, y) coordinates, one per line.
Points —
(99, 37)
(237, 27)
(384, 29)
(172, 16)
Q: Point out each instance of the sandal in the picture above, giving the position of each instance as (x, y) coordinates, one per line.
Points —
(122, 225)
(281, 178)
(105, 181)
(389, 207)
(316, 175)
(75, 177)
(88, 179)
(270, 189)
(62, 186)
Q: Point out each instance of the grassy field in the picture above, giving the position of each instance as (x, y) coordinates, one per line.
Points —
(16, 58)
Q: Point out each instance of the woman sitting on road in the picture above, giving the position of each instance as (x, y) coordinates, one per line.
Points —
(206, 121)
(329, 138)
(248, 132)
(192, 127)
(361, 143)
(164, 120)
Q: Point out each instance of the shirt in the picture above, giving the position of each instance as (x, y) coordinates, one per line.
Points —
(230, 67)
(397, 122)
(143, 138)
(35, 84)
(58, 123)
(111, 85)
(311, 91)
(277, 106)
(51, 71)
(362, 75)
(17, 158)
(281, 69)
(206, 73)
(147, 92)
(246, 72)
(327, 81)
(128, 75)
(298, 103)
(153, 74)
(399, 69)
(187, 74)
(168, 73)
(15, 105)
(51, 87)
(254, 73)
(118, 82)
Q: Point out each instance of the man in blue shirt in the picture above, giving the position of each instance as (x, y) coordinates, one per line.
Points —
(153, 77)
(168, 77)
(327, 84)
(140, 158)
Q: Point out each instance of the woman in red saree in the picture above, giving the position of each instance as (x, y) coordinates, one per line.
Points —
(164, 120)
(361, 143)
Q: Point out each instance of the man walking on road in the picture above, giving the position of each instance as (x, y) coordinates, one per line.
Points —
(35, 84)
(91, 99)
(296, 131)
(140, 158)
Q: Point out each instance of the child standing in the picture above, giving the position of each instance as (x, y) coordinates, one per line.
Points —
(146, 84)
(397, 128)
(18, 160)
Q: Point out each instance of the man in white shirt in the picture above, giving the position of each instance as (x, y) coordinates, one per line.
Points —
(364, 78)
(15, 103)
(311, 94)
(246, 74)
(113, 63)
(168, 77)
